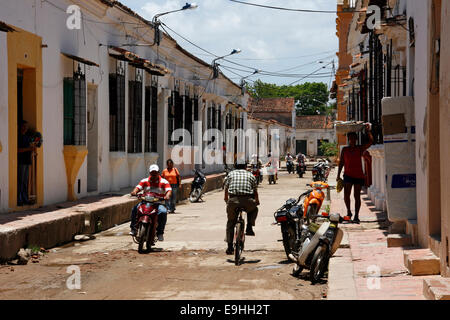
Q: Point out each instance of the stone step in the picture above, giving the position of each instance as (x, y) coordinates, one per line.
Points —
(436, 289)
(421, 262)
(412, 230)
(399, 240)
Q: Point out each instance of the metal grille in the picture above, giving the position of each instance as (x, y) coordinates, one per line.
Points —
(75, 111)
(135, 117)
(188, 114)
(116, 112)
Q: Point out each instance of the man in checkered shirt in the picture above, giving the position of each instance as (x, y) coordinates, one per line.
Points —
(240, 192)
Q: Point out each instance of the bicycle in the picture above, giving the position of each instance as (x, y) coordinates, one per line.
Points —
(239, 237)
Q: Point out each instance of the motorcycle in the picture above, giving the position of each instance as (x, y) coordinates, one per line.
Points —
(318, 245)
(197, 186)
(321, 170)
(147, 221)
(257, 173)
(313, 200)
(289, 217)
(290, 166)
(301, 168)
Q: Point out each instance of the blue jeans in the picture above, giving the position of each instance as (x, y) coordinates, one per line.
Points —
(170, 204)
(162, 218)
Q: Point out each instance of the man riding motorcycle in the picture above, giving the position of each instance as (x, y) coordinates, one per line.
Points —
(157, 187)
(240, 192)
(289, 162)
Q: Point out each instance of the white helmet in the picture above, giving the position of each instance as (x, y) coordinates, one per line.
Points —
(153, 167)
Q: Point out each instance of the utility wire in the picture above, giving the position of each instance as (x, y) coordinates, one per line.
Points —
(296, 10)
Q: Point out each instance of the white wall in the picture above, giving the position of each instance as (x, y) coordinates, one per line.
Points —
(312, 136)
(419, 10)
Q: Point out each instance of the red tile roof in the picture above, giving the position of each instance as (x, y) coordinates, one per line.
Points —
(271, 105)
(314, 122)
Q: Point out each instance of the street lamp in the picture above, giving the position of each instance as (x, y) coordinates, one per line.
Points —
(156, 22)
(215, 65)
(243, 82)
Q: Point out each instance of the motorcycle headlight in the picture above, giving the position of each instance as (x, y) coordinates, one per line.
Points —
(335, 217)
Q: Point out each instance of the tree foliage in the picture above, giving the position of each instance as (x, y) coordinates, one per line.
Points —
(311, 98)
(329, 149)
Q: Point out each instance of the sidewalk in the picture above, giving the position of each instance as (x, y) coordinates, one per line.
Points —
(57, 224)
(366, 269)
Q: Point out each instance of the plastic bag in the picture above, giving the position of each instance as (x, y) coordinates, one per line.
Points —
(340, 185)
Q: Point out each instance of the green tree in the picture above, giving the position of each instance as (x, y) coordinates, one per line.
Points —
(311, 98)
(329, 149)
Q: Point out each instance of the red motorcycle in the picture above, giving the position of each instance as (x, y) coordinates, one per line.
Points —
(257, 173)
(147, 221)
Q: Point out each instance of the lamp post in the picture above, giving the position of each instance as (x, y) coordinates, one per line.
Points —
(215, 65)
(156, 22)
(243, 82)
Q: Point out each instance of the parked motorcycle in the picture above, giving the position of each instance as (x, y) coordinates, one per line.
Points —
(313, 200)
(318, 244)
(289, 217)
(197, 186)
(321, 170)
(147, 221)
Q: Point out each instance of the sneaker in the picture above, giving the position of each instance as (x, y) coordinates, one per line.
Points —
(160, 237)
(356, 220)
(132, 233)
(230, 250)
(249, 231)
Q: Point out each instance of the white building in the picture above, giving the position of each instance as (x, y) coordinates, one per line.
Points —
(310, 132)
(106, 107)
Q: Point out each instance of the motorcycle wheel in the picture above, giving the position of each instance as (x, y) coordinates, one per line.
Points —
(296, 270)
(195, 195)
(143, 234)
(310, 213)
(288, 240)
(319, 264)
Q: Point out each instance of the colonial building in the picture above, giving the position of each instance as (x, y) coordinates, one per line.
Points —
(279, 109)
(311, 132)
(107, 99)
(399, 80)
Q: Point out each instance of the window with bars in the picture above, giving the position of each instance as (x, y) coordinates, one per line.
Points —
(219, 118)
(134, 116)
(151, 119)
(188, 104)
(116, 112)
(75, 110)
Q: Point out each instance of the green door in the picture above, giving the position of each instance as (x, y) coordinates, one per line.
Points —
(300, 146)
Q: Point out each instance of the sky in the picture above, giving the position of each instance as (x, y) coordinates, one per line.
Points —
(290, 44)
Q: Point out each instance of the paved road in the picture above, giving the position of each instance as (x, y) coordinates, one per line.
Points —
(190, 263)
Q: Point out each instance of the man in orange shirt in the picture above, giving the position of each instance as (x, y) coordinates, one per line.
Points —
(172, 175)
(351, 160)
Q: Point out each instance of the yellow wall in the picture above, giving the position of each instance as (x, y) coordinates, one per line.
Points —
(25, 52)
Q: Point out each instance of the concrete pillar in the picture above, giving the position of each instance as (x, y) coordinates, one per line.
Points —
(163, 125)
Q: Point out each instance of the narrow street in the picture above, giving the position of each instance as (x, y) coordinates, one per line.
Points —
(190, 264)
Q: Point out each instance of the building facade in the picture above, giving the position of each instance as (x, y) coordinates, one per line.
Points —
(107, 101)
(399, 81)
(311, 132)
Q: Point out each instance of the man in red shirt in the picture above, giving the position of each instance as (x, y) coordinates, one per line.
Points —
(354, 174)
(157, 187)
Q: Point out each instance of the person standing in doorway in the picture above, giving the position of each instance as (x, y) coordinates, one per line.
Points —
(172, 175)
(25, 151)
(351, 161)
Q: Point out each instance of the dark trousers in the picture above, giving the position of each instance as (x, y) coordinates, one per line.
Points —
(249, 206)
(22, 182)
(162, 218)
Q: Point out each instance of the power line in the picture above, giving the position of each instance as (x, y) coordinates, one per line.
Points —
(296, 10)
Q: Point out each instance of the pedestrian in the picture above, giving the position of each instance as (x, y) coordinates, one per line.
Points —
(172, 175)
(351, 161)
(25, 150)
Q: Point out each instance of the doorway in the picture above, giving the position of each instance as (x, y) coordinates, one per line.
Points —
(300, 146)
(92, 141)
